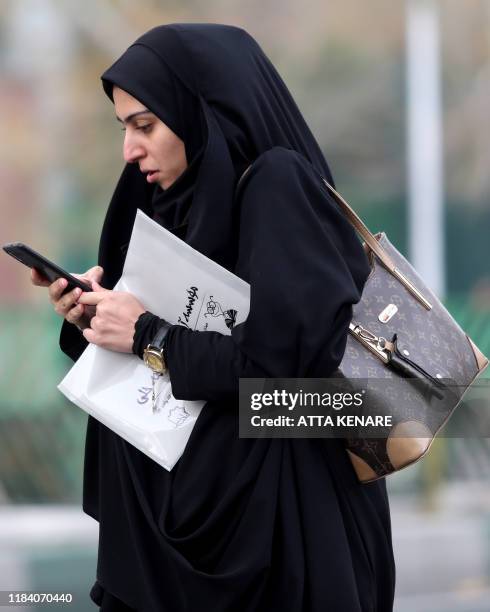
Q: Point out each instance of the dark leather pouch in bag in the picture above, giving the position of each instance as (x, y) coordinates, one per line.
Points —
(417, 360)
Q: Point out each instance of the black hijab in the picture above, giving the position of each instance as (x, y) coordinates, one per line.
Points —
(217, 90)
(141, 73)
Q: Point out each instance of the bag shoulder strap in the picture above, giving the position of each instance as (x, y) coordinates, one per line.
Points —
(374, 245)
(361, 228)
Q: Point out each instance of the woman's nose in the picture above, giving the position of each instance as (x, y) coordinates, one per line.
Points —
(132, 151)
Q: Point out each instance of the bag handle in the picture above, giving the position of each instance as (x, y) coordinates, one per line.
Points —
(361, 228)
(374, 245)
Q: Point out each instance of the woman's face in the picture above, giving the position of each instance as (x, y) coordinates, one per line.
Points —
(159, 152)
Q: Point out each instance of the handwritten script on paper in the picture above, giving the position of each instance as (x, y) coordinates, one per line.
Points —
(192, 298)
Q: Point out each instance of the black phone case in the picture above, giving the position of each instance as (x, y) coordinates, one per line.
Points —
(33, 259)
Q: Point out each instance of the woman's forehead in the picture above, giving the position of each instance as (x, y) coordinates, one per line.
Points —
(123, 98)
(127, 106)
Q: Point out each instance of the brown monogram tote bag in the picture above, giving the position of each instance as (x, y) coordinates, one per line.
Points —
(417, 359)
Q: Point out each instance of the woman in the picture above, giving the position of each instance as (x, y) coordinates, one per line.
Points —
(238, 524)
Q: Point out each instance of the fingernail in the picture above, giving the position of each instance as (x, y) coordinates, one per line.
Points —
(63, 282)
(78, 291)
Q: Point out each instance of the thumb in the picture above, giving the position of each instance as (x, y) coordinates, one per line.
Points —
(94, 274)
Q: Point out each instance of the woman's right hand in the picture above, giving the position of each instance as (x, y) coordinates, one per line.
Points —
(67, 305)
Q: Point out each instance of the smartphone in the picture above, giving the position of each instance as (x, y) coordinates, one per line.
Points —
(32, 259)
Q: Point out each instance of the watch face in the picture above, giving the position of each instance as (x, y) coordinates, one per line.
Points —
(154, 361)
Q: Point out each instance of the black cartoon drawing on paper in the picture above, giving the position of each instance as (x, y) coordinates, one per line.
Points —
(214, 309)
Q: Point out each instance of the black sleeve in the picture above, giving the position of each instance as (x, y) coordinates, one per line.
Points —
(305, 267)
(206, 365)
(72, 342)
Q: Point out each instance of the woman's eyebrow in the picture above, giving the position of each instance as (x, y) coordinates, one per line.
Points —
(133, 115)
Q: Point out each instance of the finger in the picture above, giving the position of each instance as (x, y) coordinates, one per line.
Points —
(94, 273)
(97, 287)
(95, 323)
(90, 335)
(38, 279)
(84, 279)
(93, 298)
(74, 314)
(56, 289)
(66, 302)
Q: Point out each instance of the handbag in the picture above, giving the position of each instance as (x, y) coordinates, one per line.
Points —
(402, 338)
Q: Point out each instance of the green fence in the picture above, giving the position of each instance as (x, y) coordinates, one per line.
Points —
(41, 433)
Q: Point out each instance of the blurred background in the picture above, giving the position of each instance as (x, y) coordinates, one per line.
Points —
(398, 96)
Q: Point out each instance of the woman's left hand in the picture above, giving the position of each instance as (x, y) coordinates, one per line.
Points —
(116, 313)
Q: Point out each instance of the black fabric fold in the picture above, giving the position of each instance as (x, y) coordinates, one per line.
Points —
(171, 207)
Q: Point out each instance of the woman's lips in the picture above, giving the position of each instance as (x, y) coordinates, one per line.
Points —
(151, 176)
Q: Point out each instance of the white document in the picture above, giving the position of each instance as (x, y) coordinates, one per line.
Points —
(179, 284)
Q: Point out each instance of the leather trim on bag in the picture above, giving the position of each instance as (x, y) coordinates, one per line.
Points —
(371, 255)
(363, 470)
(481, 360)
(407, 442)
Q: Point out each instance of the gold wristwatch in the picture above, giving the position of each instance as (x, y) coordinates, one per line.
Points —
(154, 355)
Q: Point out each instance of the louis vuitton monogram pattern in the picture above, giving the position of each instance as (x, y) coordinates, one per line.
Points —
(432, 339)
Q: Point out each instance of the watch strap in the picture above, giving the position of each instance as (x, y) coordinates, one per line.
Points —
(145, 329)
(160, 338)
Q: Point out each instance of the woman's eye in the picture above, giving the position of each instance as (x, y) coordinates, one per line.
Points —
(144, 128)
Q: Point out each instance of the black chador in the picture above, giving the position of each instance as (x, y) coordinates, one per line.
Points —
(239, 525)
